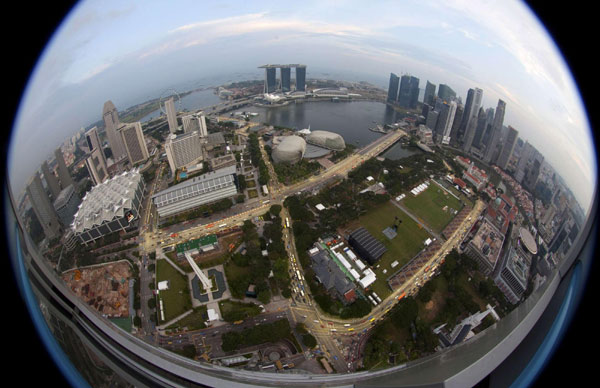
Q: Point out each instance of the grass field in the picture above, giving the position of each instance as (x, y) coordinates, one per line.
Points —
(429, 206)
(403, 247)
(176, 300)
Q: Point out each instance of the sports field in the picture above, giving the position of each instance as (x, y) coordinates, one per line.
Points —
(176, 300)
(407, 243)
(429, 206)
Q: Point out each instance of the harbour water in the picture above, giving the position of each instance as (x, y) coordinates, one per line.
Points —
(192, 102)
(351, 120)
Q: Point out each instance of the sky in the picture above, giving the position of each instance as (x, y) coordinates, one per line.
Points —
(131, 51)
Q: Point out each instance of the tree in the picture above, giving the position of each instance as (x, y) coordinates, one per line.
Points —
(275, 210)
(152, 303)
(405, 312)
(309, 340)
(264, 296)
(137, 321)
(189, 351)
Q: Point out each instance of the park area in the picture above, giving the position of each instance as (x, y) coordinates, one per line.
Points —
(177, 299)
(403, 247)
(434, 206)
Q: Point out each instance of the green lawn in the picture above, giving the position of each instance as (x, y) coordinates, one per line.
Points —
(429, 206)
(176, 300)
(232, 311)
(402, 248)
(252, 193)
(193, 321)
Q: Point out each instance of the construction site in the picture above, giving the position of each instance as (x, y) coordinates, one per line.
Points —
(105, 288)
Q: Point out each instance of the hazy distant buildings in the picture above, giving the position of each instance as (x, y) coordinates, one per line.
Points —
(171, 115)
(183, 150)
(110, 116)
(43, 208)
(96, 160)
(446, 93)
(529, 166)
(195, 122)
(408, 92)
(135, 144)
(432, 119)
(393, 88)
(63, 171)
(507, 148)
(429, 93)
(490, 152)
(284, 85)
(301, 78)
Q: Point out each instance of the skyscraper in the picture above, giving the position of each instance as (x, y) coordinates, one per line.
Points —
(43, 208)
(446, 120)
(63, 171)
(490, 151)
(409, 92)
(270, 79)
(96, 161)
(134, 141)
(301, 78)
(195, 122)
(508, 147)
(111, 125)
(456, 125)
(446, 93)
(51, 180)
(432, 119)
(472, 105)
(429, 93)
(183, 150)
(171, 115)
(393, 88)
(286, 79)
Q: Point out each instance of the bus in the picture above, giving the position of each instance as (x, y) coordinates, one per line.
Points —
(287, 222)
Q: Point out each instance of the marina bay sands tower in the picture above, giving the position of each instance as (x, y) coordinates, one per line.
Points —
(284, 84)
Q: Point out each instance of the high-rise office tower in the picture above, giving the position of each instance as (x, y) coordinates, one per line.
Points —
(171, 115)
(484, 128)
(507, 147)
(393, 88)
(432, 119)
(447, 119)
(409, 92)
(51, 180)
(429, 93)
(63, 171)
(134, 141)
(111, 125)
(183, 150)
(195, 122)
(490, 151)
(96, 161)
(446, 93)
(526, 153)
(301, 78)
(43, 208)
(454, 141)
(286, 79)
(472, 105)
(533, 172)
(425, 110)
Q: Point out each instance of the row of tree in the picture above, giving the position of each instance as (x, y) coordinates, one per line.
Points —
(269, 332)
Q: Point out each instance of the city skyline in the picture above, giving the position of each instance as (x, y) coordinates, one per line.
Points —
(465, 47)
